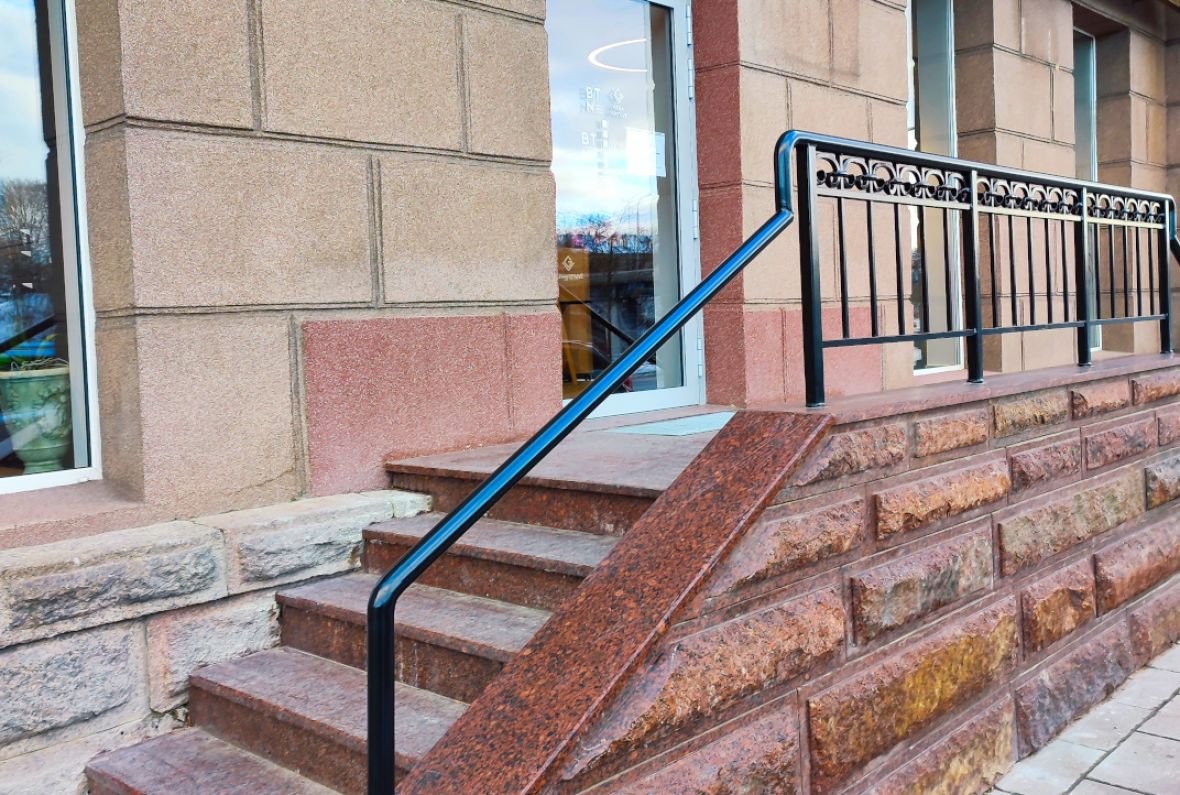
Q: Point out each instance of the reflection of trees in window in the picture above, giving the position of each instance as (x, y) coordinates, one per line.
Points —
(25, 250)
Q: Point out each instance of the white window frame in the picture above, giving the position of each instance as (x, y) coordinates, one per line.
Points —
(80, 318)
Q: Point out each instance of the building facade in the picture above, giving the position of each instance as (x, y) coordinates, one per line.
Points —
(250, 250)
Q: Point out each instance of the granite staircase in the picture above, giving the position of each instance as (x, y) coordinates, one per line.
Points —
(292, 719)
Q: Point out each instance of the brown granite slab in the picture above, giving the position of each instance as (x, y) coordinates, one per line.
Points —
(514, 737)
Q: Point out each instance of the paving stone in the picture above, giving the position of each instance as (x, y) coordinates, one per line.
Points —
(1106, 725)
(1143, 763)
(1148, 688)
(1091, 787)
(1165, 722)
(1051, 771)
(910, 506)
(1067, 517)
(1169, 660)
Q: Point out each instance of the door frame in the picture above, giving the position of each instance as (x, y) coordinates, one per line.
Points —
(688, 226)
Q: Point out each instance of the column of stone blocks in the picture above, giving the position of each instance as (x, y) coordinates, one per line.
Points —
(259, 167)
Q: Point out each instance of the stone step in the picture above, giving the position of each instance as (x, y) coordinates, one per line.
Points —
(590, 507)
(308, 714)
(448, 642)
(192, 762)
(519, 563)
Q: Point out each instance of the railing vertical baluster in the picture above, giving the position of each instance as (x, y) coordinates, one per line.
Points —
(922, 258)
(872, 269)
(1165, 309)
(843, 267)
(1032, 279)
(1126, 275)
(813, 332)
(997, 321)
(1012, 299)
(1152, 251)
(1048, 274)
(946, 270)
(1081, 257)
(898, 269)
(1110, 266)
(973, 298)
(1064, 273)
(1096, 255)
(1138, 271)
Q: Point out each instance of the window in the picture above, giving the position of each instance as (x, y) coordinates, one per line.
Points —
(932, 128)
(45, 438)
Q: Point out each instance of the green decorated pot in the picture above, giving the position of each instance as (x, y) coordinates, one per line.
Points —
(36, 409)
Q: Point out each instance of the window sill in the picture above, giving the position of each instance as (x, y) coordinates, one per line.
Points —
(65, 512)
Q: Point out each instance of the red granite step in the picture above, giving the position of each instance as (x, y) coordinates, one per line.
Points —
(448, 642)
(307, 714)
(192, 762)
(513, 562)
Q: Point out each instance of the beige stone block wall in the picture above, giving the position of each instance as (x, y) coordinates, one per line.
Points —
(297, 160)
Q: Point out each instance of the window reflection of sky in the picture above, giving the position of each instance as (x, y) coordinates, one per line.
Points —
(595, 180)
(22, 146)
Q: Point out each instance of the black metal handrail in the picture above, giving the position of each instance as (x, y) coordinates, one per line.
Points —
(803, 146)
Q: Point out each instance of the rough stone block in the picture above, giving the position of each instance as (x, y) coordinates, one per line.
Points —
(922, 502)
(1037, 410)
(700, 676)
(1069, 686)
(1108, 443)
(1133, 564)
(1056, 605)
(785, 540)
(1169, 425)
(308, 538)
(1042, 464)
(969, 760)
(762, 756)
(1155, 624)
(432, 216)
(1057, 521)
(854, 452)
(70, 585)
(869, 713)
(221, 221)
(70, 686)
(1155, 386)
(897, 593)
(1089, 400)
(383, 72)
(950, 432)
(1162, 480)
(183, 640)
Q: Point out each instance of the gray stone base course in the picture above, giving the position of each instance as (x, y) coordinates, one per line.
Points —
(98, 636)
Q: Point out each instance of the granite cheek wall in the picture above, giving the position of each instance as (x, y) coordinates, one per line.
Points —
(930, 596)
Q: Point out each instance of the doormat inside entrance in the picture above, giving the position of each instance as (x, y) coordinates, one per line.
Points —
(683, 426)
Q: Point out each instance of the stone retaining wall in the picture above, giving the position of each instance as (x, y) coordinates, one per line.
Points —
(98, 636)
(935, 595)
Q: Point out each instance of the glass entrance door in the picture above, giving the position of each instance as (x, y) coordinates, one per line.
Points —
(625, 172)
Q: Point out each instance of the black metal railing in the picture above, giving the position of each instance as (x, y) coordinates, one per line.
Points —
(846, 171)
(988, 250)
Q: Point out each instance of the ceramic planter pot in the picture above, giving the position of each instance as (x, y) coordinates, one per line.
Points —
(36, 410)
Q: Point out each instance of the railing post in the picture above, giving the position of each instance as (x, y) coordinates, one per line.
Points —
(813, 332)
(972, 297)
(1165, 280)
(1081, 252)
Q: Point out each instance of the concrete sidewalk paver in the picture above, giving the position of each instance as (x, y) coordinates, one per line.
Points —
(1128, 745)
